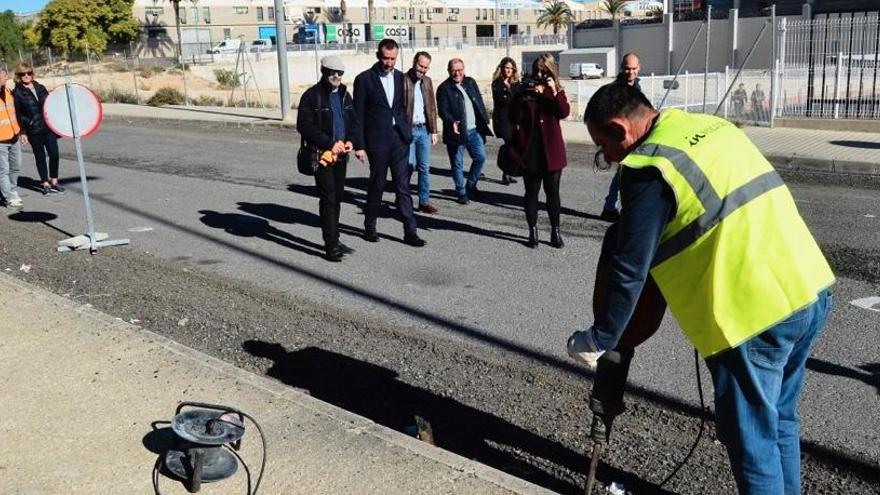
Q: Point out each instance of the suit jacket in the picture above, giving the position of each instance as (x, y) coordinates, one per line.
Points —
(377, 119)
(427, 96)
(450, 105)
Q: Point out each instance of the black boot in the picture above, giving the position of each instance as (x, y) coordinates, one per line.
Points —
(533, 237)
(556, 238)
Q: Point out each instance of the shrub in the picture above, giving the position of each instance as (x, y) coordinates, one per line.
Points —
(166, 96)
(118, 65)
(208, 101)
(116, 95)
(226, 78)
(145, 72)
(157, 69)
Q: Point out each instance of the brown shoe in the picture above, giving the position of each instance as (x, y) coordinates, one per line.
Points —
(429, 209)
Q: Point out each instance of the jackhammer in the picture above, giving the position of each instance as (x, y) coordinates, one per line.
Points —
(612, 369)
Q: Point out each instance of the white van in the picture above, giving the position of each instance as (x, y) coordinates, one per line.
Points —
(262, 45)
(231, 45)
(585, 71)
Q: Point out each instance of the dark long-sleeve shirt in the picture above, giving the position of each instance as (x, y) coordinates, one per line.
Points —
(648, 204)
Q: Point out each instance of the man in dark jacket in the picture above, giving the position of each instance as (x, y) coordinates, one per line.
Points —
(629, 75)
(384, 137)
(465, 126)
(327, 122)
(421, 110)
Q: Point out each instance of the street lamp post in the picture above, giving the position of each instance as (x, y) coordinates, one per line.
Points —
(180, 61)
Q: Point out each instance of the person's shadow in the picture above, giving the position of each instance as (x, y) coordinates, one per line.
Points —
(250, 226)
(868, 373)
(375, 392)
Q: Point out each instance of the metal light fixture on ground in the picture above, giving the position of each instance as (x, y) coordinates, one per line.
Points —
(207, 438)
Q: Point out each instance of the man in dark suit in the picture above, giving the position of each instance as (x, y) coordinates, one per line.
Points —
(384, 137)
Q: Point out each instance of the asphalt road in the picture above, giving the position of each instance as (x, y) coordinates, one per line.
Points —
(229, 202)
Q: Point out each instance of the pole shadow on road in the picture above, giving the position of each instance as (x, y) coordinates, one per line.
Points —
(376, 393)
(867, 373)
(251, 226)
(42, 217)
(868, 145)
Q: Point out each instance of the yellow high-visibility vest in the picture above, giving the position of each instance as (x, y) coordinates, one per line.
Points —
(8, 123)
(737, 257)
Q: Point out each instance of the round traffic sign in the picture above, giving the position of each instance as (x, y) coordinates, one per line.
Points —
(87, 108)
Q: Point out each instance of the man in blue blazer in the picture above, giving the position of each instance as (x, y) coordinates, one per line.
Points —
(384, 139)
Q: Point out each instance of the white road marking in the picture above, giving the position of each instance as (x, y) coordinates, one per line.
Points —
(868, 303)
(140, 229)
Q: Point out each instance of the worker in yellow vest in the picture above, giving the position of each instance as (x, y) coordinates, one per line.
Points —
(10, 145)
(715, 226)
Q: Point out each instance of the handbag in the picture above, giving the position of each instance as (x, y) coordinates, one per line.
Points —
(510, 161)
(308, 157)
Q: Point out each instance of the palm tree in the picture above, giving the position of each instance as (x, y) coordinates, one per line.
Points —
(613, 7)
(556, 13)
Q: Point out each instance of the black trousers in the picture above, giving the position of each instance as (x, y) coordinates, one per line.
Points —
(393, 156)
(331, 186)
(533, 181)
(41, 144)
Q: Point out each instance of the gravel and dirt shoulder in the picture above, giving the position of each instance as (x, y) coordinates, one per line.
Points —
(514, 412)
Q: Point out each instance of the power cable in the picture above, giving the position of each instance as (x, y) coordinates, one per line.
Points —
(702, 423)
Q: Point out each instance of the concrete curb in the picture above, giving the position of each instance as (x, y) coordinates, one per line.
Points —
(283, 392)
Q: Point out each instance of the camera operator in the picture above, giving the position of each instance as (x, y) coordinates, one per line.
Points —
(535, 112)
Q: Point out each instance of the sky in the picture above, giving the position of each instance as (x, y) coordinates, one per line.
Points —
(22, 6)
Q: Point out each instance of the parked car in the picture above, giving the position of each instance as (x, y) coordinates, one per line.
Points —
(585, 71)
(262, 45)
(231, 45)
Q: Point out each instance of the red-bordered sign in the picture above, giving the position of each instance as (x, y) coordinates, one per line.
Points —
(89, 111)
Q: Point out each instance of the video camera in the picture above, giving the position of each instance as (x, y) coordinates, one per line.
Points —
(529, 81)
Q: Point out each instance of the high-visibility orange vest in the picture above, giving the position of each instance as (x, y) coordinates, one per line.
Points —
(8, 123)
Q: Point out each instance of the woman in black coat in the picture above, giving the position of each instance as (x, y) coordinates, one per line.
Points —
(30, 96)
(505, 84)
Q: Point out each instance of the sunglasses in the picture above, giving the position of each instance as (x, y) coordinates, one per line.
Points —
(337, 73)
(22, 74)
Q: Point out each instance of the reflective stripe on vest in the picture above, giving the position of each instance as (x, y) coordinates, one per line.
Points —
(715, 208)
(736, 258)
(8, 123)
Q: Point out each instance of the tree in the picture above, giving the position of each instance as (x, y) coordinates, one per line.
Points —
(614, 7)
(74, 25)
(11, 37)
(556, 14)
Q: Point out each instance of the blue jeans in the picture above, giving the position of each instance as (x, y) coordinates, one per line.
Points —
(613, 191)
(10, 166)
(757, 389)
(477, 151)
(420, 159)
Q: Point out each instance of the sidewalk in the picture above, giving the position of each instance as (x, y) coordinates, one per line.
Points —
(81, 390)
(785, 147)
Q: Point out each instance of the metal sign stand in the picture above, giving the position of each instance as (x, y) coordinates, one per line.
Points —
(94, 244)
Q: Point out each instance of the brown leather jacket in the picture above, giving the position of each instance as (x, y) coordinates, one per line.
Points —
(428, 98)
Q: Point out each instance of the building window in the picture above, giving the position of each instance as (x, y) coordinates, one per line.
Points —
(227, 33)
(195, 15)
(492, 14)
(259, 13)
(464, 32)
(240, 10)
(271, 12)
(206, 14)
(381, 13)
(182, 14)
(485, 14)
(156, 11)
(364, 14)
(516, 13)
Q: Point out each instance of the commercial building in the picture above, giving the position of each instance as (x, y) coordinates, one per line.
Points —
(307, 21)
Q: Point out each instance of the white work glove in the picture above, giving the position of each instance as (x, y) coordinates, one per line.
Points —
(583, 348)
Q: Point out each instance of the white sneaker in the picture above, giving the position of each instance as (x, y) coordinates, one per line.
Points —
(15, 203)
(582, 349)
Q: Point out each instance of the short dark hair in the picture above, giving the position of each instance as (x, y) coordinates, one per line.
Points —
(421, 54)
(615, 100)
(387, 44)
